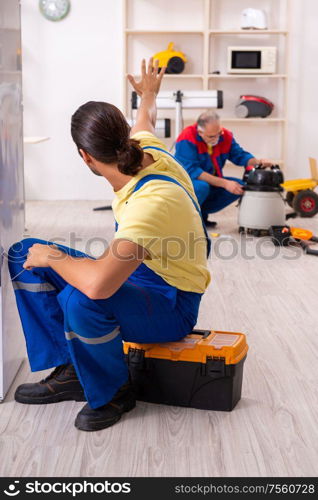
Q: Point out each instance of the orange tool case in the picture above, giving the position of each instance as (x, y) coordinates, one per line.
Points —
(204, 370)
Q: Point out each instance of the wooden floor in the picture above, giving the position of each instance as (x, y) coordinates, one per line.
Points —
(273, 431)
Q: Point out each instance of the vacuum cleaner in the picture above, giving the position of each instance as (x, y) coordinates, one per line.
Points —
(253, 106)
(262, 204)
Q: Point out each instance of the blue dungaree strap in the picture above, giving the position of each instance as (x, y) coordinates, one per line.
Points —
(151, 177)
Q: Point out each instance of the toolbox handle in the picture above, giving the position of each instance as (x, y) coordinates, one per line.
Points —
(204, 333)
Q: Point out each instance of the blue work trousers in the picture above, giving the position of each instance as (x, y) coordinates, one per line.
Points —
(213, 199)
(62, 325)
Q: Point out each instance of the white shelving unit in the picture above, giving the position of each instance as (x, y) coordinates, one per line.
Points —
(203, 29)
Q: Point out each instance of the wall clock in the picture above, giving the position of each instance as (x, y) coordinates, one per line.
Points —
(54, 10)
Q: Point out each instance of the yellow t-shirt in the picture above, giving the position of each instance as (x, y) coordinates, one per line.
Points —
(160, 217)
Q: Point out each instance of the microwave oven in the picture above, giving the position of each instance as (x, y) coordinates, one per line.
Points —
(251, 59)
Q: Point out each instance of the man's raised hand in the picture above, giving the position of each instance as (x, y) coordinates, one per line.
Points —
(151, 78)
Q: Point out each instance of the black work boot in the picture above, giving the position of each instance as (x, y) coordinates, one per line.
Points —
(61, 385)
(107, 415)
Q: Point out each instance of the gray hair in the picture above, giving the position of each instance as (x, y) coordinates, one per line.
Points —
(207, 117)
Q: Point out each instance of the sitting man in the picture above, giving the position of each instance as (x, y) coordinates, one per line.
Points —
(76, 310)
(203, 149)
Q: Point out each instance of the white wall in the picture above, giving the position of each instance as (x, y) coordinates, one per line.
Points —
(81, 58)
(64, 65)
(302, 99)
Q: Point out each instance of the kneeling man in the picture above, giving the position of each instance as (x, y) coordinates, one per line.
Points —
(203, 149)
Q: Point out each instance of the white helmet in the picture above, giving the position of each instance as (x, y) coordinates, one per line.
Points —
(253, 19)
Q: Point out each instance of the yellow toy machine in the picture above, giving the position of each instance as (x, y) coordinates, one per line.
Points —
(300, 192)
(172, 59)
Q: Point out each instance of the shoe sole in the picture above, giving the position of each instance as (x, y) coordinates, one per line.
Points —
(102, 424)
(54, 398)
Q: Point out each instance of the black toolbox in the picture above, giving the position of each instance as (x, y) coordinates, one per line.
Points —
(204, 370)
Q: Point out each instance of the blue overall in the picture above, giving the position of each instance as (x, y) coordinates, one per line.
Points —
(213, 199)
(62, 325)
(192, 152)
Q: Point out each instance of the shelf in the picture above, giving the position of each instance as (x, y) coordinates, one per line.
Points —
(201, 32)
(248, 32)
(163, 32)
(194, 75)
(252, 120)
(182, 76)
(247, 76)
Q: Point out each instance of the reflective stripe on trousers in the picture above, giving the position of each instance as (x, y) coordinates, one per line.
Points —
(98, 340)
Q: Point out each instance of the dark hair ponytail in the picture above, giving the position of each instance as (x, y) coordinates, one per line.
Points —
(130, 158)
(101, 130)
